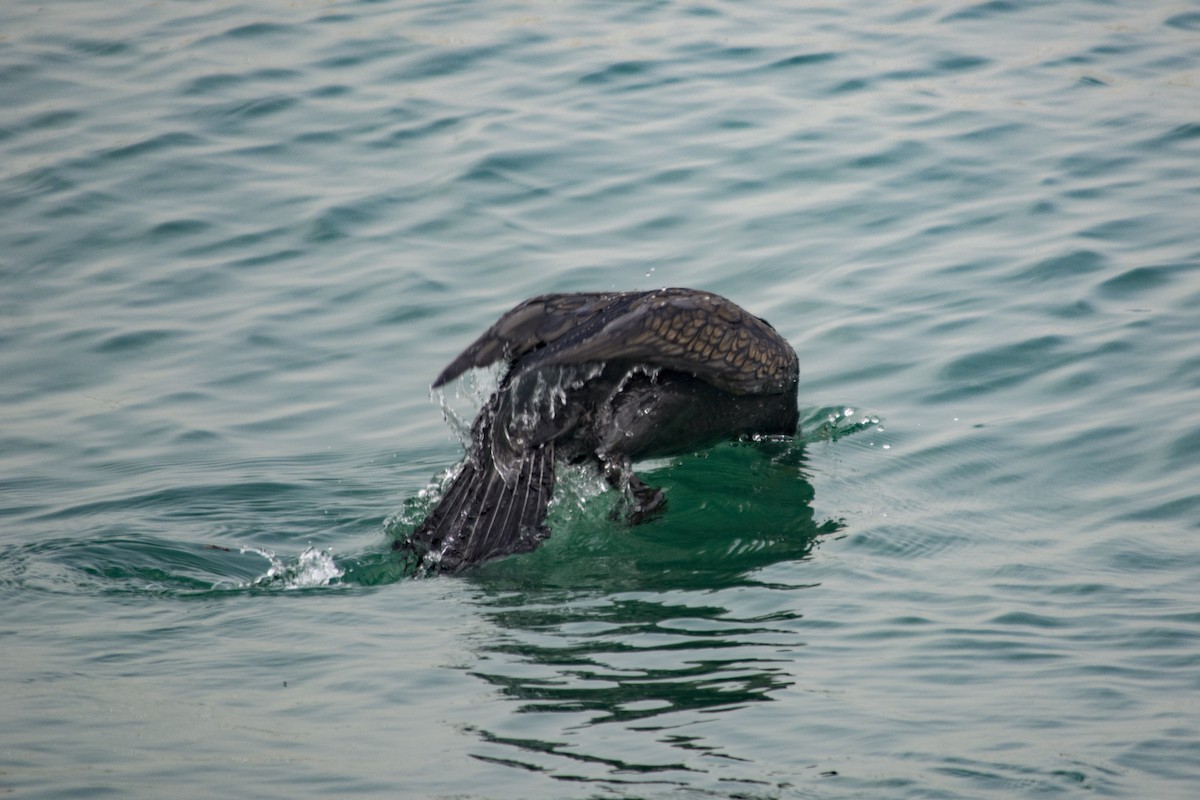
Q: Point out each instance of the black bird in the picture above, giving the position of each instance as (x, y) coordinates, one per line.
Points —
(607, 378)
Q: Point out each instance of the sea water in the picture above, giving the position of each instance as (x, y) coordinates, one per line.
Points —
(239, 241)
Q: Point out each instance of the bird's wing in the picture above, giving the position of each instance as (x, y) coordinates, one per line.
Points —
(681, 329)
(535, 323)
(686, 330)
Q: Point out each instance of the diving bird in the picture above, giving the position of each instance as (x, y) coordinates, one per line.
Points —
(602, 378)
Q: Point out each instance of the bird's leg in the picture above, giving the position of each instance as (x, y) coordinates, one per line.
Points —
(643, 501)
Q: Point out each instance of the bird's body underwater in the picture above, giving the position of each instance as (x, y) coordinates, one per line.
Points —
(606, 378)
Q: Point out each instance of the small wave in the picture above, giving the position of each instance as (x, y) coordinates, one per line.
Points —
(149, 565)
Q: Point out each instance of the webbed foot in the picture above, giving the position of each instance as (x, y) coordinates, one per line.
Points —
(642, 501)
(648, 501)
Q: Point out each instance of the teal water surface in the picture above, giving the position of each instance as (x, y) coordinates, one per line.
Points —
(238, 241)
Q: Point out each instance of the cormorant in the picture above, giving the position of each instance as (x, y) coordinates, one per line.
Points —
(605, 378)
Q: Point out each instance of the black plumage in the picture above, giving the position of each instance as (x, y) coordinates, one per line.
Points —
(605, 378)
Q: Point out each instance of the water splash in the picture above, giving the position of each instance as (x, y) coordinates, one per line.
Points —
(311, 569)
(469, 393)
(834, 422)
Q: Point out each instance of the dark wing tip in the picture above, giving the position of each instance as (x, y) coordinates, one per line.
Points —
(446, 375)
(453, 370)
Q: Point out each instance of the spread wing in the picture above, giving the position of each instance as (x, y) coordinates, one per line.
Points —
(682, 329)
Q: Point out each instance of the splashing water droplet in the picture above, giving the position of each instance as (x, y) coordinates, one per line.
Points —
(313, 568)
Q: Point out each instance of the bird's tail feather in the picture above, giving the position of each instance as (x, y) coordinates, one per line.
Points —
(486, 512)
